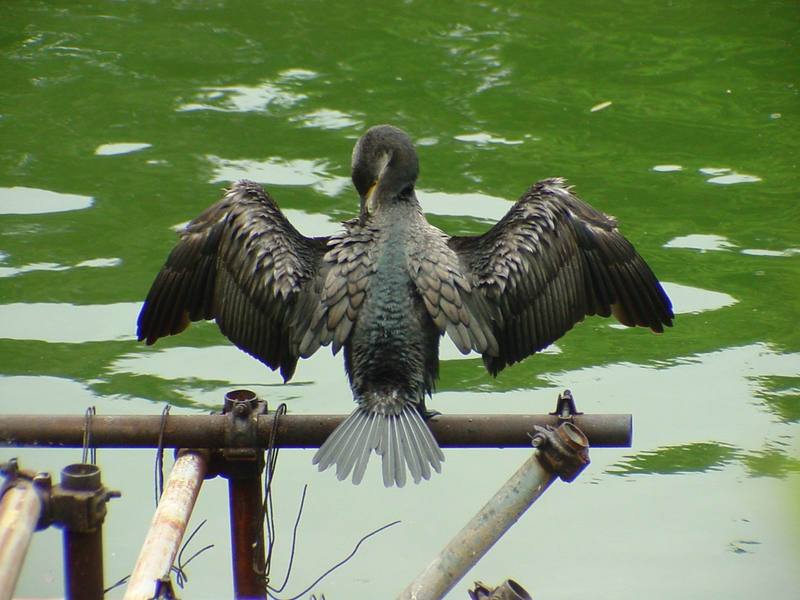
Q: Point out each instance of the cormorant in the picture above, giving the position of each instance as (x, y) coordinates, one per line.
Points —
(388, 285)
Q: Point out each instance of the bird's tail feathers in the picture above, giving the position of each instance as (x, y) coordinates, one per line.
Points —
(402, 441)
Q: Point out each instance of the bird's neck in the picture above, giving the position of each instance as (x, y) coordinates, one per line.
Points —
(393, 209)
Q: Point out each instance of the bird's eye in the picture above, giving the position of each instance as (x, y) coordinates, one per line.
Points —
(407, 190)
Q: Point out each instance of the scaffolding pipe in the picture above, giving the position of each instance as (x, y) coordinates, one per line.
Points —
(20, 508)
(498, 515)
(247, 537)
(83, 540)
(294, 431)
(168, 525)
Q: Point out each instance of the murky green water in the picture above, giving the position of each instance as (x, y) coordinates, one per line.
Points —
(119, 121)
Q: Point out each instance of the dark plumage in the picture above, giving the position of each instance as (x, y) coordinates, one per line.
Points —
(389, 285)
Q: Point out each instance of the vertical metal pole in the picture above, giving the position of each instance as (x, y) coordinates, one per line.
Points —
(242, 463)
(168, 525)
(83, 547)
(247, 535)
(20, 508)
(83, 557)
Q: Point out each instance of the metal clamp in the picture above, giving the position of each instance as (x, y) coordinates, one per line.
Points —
(508, 590)
(78, 503)
(242, 455)
(565, 407)
(563, 450)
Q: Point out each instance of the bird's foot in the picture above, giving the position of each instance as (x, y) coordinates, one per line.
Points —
(428, 413)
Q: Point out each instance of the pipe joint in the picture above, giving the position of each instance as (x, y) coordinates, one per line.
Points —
(563, 450)
(508, 590)
(242, 456)
(78, 503)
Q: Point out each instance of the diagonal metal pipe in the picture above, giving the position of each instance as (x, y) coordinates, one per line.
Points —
(168, 526)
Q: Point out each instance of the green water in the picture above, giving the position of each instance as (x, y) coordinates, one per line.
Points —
(695, 156)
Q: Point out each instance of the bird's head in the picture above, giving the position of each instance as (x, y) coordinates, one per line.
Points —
(385, 167)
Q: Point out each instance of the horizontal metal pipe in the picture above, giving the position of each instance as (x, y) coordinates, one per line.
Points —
(168, 525)
(20, 508)
(294, 431)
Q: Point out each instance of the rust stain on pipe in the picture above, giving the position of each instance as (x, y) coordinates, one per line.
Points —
(19, 512)
(294, 431)
(168, 525)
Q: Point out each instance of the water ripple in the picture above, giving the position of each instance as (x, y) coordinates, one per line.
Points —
(32, 201)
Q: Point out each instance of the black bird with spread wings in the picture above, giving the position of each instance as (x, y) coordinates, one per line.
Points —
(388, 285)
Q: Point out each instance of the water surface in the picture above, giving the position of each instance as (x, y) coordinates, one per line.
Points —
(121, 121)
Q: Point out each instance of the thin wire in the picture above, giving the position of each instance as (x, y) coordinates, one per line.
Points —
(267, 510)
(341, 562)
(181, 577)
(116, 585)
(294, 543)
(89, 451)
(159, 466)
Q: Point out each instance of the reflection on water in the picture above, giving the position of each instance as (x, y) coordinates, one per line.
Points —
(32, 201)
(781, 396)
(278, 171)
(325, 118)
(120, 148)
(692, 300)
(700, 456)
(68, 323)
(700, 241)
(90, 263)
(732, 178)
(704, 242)
(257, 98)
(484, 138)
(469, 204)
(762, 252)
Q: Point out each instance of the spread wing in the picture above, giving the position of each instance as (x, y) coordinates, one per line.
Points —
(552, 260)
(242, 263)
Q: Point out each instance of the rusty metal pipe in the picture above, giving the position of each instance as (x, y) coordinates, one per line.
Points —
(20, 508)
(565, 447)
(247, 536)
(83, 564)
(83, 544)
(294, 431)
(168, 525)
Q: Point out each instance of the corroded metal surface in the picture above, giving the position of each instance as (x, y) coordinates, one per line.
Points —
(294, 431)
(168, 525)
(563, 447)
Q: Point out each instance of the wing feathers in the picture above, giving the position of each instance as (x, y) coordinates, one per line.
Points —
(552, 260)
(242, 263)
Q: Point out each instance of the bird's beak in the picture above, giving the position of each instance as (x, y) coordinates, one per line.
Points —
(370, 198)
(371, 201)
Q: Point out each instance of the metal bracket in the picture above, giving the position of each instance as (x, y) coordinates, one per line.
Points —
(563, 450)
(241, 456)
(508, 590)
(565, 407)
(77, 504)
